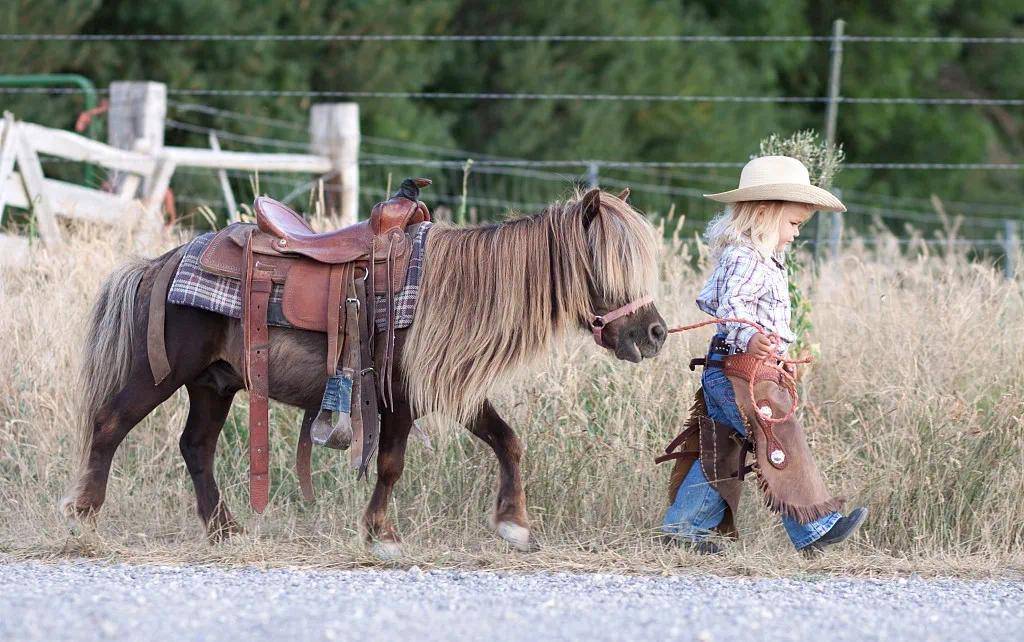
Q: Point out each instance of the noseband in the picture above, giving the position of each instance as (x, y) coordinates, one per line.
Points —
(598, 323)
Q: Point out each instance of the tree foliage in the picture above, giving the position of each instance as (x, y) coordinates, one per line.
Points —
(647, 131)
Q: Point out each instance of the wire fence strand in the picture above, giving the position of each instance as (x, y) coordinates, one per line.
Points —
(586, 97)
(553, 38)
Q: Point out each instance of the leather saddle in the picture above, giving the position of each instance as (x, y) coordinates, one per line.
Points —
(330, 284)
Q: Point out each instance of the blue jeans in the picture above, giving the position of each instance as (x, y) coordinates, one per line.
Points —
(698, 507)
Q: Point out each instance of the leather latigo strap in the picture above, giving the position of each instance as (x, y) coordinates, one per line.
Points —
(304, 456)
(339, 276)
(256, 346)
(387, 366)
(352, 364)
(367, 382)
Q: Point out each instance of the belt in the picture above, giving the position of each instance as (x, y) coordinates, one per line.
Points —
(740, 365)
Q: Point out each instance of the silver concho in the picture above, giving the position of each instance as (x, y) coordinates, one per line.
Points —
(777, 456)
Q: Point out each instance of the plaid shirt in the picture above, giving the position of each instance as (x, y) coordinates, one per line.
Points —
(746, 285)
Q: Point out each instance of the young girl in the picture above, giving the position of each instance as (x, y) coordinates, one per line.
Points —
(750, 283)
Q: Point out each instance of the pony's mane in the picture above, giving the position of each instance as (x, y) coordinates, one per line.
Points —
(495, 297)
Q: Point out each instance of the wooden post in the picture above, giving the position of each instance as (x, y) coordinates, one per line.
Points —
(1011, 247)
(831, 116)
(136, 122)
(835, 235)
(593, 175)
(834, 79)
(6, 157)
(334, 134)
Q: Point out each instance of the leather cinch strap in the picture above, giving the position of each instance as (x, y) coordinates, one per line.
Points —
(256, 341)
(367, 382)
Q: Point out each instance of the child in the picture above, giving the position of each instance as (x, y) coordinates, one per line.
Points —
(764, 215)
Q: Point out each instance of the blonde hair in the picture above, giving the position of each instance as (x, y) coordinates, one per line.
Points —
(741, 224)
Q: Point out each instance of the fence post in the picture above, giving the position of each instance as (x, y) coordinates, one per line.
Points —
(334, 133)
(831, 114)
(835, 235)
(593, 175)
(6, 157)
(136, 123)
(1011, 247)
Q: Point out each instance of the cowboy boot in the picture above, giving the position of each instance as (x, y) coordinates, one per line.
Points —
(840, 531)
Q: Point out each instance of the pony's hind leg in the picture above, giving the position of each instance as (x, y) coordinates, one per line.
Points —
(118, 386)
(208, 409)
(379, 532)
(509, 520)
(110, 425)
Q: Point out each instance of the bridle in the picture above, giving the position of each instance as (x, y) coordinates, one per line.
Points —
(599, 321)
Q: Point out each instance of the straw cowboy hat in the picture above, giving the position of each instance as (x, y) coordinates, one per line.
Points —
(778, 178)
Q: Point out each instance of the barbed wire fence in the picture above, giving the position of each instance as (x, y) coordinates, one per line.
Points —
(498, 184)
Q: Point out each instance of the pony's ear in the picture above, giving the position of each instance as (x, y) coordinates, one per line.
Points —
(624, 195)
(591, 206)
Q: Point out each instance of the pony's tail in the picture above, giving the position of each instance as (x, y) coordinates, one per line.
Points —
(107, 358)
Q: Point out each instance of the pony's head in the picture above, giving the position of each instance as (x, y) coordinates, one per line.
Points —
(622, 247)
(493, 298)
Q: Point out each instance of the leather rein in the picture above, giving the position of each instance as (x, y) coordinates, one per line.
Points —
(599, 321)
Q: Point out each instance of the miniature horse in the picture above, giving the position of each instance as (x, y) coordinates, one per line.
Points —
(493, 299)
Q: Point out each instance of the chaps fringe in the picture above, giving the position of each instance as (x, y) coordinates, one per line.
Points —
(802, 514)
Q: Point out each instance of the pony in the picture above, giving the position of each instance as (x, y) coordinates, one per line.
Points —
(493, 299)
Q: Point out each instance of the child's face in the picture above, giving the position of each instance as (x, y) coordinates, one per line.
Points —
(793, 216)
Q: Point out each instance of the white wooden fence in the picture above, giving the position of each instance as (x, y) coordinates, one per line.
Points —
(143, 173)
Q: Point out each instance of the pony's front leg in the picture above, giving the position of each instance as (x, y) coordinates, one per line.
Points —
(509, 519)
(379, 532)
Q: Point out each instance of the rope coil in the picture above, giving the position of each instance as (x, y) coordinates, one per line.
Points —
(770, 362)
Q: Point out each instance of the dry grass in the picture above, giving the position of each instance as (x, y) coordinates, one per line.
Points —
(914, 410)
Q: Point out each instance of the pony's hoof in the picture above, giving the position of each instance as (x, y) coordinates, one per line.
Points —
(77, 518)
(386, 551)
(217, 533)
(517, 536)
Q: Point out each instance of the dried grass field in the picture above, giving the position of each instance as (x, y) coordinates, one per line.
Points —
(914, 410)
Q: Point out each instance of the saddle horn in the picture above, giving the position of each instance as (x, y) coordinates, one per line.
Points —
(410, 188)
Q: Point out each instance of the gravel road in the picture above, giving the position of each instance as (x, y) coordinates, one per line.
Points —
(87, 601)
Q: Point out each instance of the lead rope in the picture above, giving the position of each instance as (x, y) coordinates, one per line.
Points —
(788, 380)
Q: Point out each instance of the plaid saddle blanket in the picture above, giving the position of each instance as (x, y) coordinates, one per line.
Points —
(199, 289)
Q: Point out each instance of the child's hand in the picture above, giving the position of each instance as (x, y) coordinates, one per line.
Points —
(759, 346)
